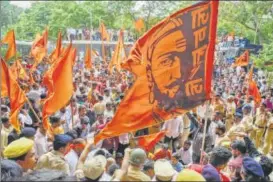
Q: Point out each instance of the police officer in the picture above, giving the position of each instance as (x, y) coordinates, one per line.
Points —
(262, 118)
(55, 159)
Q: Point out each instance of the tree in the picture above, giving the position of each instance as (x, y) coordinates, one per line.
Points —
(250, 19)
(8, 15)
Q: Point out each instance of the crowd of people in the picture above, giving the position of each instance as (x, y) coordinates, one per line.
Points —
(238, 143)
(86, 34)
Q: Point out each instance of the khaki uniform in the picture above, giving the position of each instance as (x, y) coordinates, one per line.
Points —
(53, 160)
(218, 107)
(235, 128)
(268, 138)
(4, 136)
(247, 123)
(231, 108)
(135, 174)
(260, 126)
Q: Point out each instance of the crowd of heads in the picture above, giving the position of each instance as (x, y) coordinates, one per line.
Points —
(236, 144)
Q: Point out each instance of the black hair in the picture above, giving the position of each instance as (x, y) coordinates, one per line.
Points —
(176, 156)
(102, 152)
(43, 96)
(158, 180)
(188, 142)
(219, 156)
(253, 178)
(221, 127)
(47, 175)
(112, 168)
(4, 108)
(266, 164)
(4, 120)
(54, 119)
(239, 145)
(93, 180)
(57, 145)
(148, 165)
(119, 155)
(19, 158)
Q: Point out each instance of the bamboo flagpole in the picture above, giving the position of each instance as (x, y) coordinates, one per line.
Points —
(32, 109)
(204, 130)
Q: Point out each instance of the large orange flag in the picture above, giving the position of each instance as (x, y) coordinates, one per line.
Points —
(10, 40)
(39, 47)
(148, 142)
(62, 84)
(173, 64)
(139, 24)
(87, 58)
(242, 60)
(254, 91)
(19, 71)
(10, 88)
(58, 50)
(119, 54)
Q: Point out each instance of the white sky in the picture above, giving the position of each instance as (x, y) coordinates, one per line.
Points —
(22, 4)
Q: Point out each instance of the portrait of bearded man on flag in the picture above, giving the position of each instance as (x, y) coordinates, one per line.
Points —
(169, 66)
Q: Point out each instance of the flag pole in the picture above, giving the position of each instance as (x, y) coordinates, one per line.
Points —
(35, 114)
(204, 130)
(72, 118)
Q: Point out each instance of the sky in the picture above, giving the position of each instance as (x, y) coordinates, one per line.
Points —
(22, 4)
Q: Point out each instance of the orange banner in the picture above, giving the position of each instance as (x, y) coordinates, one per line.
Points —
(87, 58)
(172, 64)
(242, 60)
(148, 142)
(58, 50)
(10, 40)
(60, 84)
(139, 25)
(11, 89)
(119, 54)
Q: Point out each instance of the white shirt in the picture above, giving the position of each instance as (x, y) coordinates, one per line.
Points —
(212, 129)
(108, 113)
(173, 127)
(124, 139)
(40, 144)
(185, 156)
(72, 159)
(26, 119)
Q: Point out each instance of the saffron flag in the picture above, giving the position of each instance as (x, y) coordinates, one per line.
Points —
(104, 36)
(62, 84)
(39, 48)
(87, 58)
(103, 32)
(148, 142)
(119, 54)
(172, 64)
(11, 89)
(58, 50)
(19, 71)
(10, 40)
(254, 91)
(139, 25)
(242, 60)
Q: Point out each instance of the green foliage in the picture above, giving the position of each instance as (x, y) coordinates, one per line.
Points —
(245, 18)
(265, 59)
